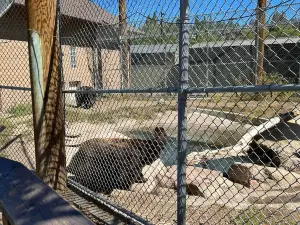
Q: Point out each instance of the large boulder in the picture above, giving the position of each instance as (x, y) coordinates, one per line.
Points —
(201, 182)
(151, 171)
(277, 178)
(239, 173)
(147, 187)
(219, 160)
(291, 164)
(164, 192)
(149, 176)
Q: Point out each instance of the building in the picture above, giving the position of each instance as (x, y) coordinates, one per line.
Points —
(88, 58)
(212, 64)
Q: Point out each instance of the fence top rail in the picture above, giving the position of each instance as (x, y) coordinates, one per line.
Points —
(171, 48)
(190, 90)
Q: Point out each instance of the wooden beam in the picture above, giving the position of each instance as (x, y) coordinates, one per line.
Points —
(25, 199)
(46, 83)
(261, 23)
(124, 45)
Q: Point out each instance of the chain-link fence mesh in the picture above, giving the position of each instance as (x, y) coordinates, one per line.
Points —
(122, 81)
(16, 132)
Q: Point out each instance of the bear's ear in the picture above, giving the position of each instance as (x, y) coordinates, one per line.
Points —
(160, 133)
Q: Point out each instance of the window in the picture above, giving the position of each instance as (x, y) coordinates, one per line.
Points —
(73, 57)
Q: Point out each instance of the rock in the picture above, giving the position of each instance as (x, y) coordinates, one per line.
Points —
(291, 164)
(254, 184)
(277, 178)
(152, 170)
(197, 157)
(240, 174)
(150, 173)
(165, 180)
(283, 178)
(165, 192)
(162, 101)
(147, 187)
(219, 160)
(201, 182)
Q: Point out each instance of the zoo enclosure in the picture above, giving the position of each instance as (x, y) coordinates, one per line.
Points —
(217, 56)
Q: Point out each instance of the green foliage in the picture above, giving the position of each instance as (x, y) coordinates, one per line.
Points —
(206, 30)
(279, 18)
(20, 110)
(274, 78)
(256, 216)
(5, 134)
(218, 97)
(284, 31)
(252, 216)
(3, 155)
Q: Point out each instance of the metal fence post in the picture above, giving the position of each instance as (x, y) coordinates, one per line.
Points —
(182, 111)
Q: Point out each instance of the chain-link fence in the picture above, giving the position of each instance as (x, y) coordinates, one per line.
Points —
(177, 112)
(16, 132)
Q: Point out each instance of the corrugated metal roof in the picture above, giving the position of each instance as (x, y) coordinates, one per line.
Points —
(153, 48)
(161, 48)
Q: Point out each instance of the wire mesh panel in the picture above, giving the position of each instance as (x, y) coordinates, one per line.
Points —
(248, 148)
(130, 105)
(124, 142)
(177, 112)
(16, 132)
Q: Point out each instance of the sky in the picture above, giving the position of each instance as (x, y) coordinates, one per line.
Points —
(218, 10)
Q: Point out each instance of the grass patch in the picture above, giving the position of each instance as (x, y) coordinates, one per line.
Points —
(20, 110)
(111, 116)
(91, 117)
(6, 133)
(246, 103)
(3, 155)
(255, 216)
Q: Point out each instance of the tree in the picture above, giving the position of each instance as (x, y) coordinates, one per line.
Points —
(279, 18)
(295, 21)
(252, 22)
(151, 25)
(154, 18)
(200, 25)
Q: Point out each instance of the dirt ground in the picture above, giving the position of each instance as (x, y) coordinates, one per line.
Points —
(163, 210)
(127, 113)
(267, 107)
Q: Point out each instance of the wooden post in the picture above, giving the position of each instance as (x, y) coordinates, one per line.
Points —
(261, 23)
(4, 219)
(124, 48)
(99, 69)
(46, 84)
